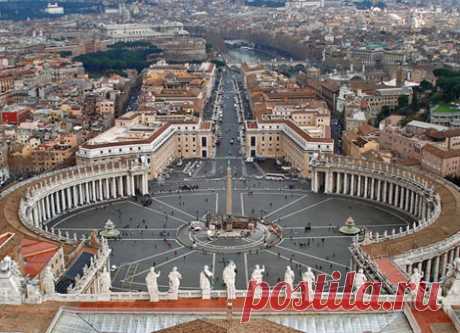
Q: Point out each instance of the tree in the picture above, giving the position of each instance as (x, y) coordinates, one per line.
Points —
(426, 85)
(385, 112)
(403, 101)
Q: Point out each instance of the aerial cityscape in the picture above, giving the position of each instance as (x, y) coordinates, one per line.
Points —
(257, 166)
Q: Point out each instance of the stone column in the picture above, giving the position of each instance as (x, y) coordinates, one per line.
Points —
(86, 185)
(43, 209)
(93, 188)
(345, 183)
(101, 191)
(358, 192)
(53, 205)
(337, 185)
(366, 184)
(428, 270)
(69, 192)
(391, 194)
(47, 206)
(385, 193)
(373, 188)
(58, 202)
(120, 187)
(396, 189)
(63, 203)
(436, 269)
(407, 202)
(352, 184)
(450, 257)
(133, 184)
(379, 192)
(35, 216)
(412, 203)
(114, 187)
(444, 265)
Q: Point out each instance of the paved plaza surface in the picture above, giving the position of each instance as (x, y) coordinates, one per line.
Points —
(149, 234)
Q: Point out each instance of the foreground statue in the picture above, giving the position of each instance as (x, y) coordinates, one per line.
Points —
(152, 284)
(289, 277)
(106, 282)
(415, 278)
(258, 276)
(174, 283)
(229, 277)
(48, 282)
(452, 283)
(309, 278)
(360, 279)
(205, 282)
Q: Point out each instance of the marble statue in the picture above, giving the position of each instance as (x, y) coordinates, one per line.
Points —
(33, 294)
(258, 273)
(11, 281)
(415, 279)
(205, 282)
(289, 277)
(359, 280)
(152, 285)
(309, 278)
(258, 276)
(106, 282)
(174, 283)
(452, 284)
(48, 282)
(229, 277)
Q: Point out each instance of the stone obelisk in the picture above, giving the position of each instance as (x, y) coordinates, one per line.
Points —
(229, 193)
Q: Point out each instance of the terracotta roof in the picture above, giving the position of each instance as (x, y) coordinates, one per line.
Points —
(441, 153)
(366, 129)
(36, 255)
(450, 133)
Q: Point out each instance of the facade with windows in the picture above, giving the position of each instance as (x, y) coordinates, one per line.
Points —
(284, 140)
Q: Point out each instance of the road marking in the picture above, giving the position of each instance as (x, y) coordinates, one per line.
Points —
(305, 208)
(311, 256)
(296, 262)
(160, 212)
(164, 263)
(147, 239)
(172, 207)
(150, 257)
(285, 206)
(316, 237)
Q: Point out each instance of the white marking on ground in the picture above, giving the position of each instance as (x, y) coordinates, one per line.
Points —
(175, 208)
(164, 263)
(285, 206)
(305, 208)
(160, 212)
(151, 257)
(311, 256)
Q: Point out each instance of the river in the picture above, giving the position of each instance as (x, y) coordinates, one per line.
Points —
(249, 56)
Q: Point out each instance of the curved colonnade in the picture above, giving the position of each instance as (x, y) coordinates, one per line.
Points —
(52, 196)
(430, 243)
